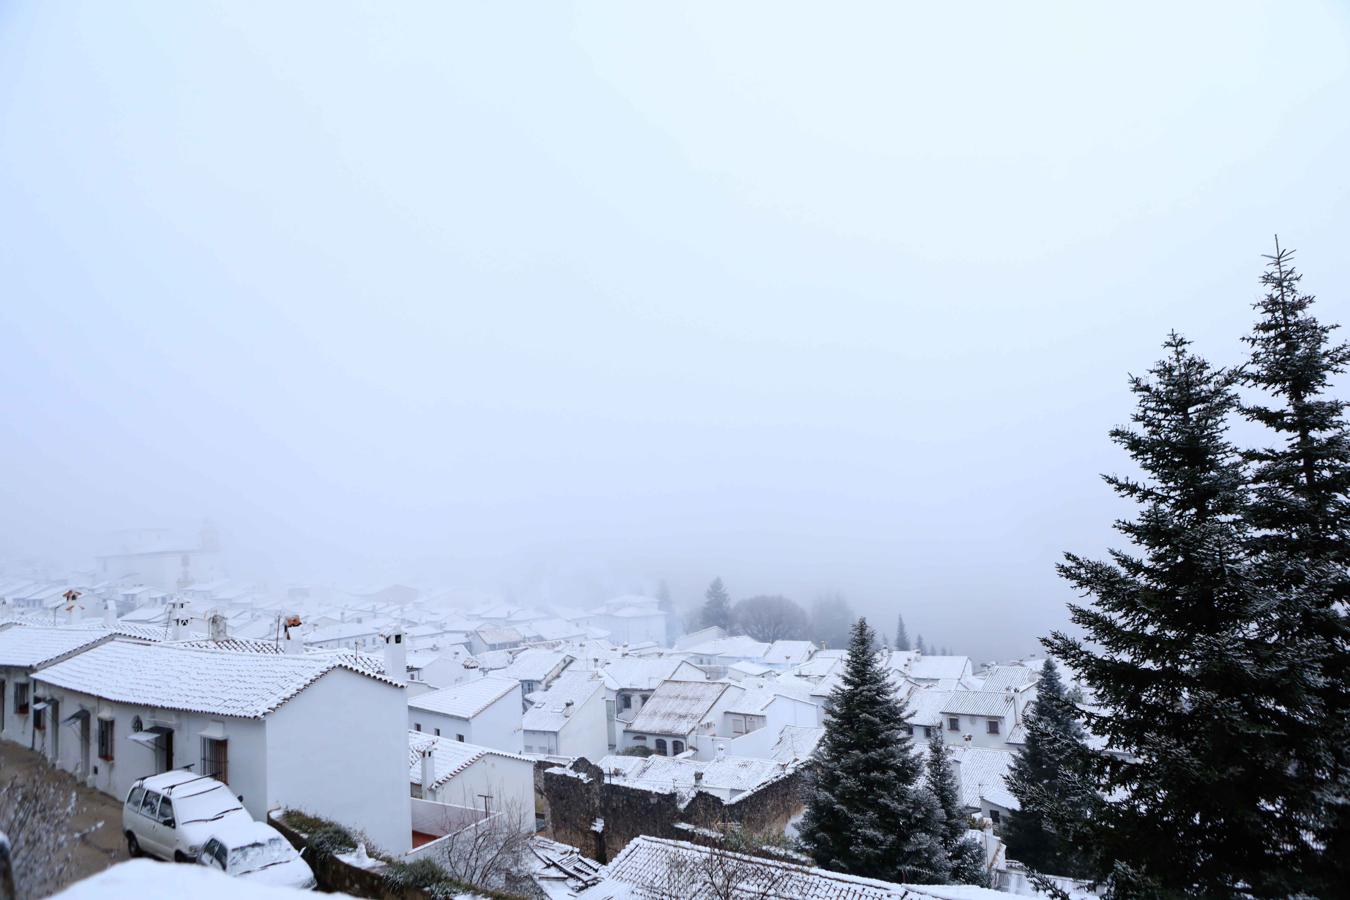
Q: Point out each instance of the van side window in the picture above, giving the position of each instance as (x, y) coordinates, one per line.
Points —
(149, 804)
(135, 797)
(165, 811)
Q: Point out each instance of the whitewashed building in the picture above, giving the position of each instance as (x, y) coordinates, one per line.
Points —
(486, 711)
(27, 716)
(443, 770)
(680, 716)
(569, 718)
(303, 731)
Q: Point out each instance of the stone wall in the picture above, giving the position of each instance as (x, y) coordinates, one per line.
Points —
(599, 818)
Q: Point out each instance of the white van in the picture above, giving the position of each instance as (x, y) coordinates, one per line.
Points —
(172, 814)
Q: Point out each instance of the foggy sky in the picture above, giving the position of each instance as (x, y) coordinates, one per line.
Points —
(818, 296)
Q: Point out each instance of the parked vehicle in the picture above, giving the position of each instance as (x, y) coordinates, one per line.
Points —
(257, 853)
(171, 815)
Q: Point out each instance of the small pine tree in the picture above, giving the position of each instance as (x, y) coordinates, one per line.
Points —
(866, 813)
(1301, 516)
(717, 606)
(1177, 648)
(901, 636)
(965, 859)
(918, 645)
(1048, 778)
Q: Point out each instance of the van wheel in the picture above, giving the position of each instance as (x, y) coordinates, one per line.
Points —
(133, 846)
(179, 857)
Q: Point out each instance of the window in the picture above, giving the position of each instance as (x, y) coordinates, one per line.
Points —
(737, 725)
(625, 700)
(216, 759)
(438, 732)
(661, 746)
(214, 854)
(993, 816)
(927, 731)
(21, 698)
(165, 811)
(992, 726)
(676, 747)
(105, 739)
(953, 723)
(909, 730)
(149, 803)
(39, 718)
(417, 726)
(460, 738)
(135, 797)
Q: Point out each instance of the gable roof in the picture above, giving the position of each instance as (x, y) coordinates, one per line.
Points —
(32, 646)
(449, 757)
(983, 775)
(632, 673)
(534, 664)
(464, 701)
(979, 703)
(667, 774)
(549, 712)
(244, 685)
(999, 678)
(676, 707)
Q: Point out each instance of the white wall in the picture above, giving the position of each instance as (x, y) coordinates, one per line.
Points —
(14, 727)
(510, 781)
(498, 726)
(339, 749)
(587, 731)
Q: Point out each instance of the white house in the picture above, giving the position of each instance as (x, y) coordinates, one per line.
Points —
(485, 711)
(303, 731)
(494, 637)
(569, 718)
(535, 668)
(680, 716)
(630, 682)
(983, 778)
(26, 717)
(769, 708)
(443, 770)
(980, 718)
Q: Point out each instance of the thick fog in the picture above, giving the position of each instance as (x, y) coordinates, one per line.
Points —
(574, 298)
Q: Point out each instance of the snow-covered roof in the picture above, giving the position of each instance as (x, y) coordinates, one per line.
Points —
(499, 635)
(449, 757)
(796, 743)
(534, 664)
(137, 879)
(1017, 734)
(553, 629)
(983, 774)
(464, 701)
(998, 678)
(668, 774)
(676, 707)
(649, 868)
(933, 668)
(246, 685)
(31, 646)
(978, 703)
(789, 653)
(549, 710)
(345, 631)
(925, 706)
(234, 645)
(739, 647)
(633, 674)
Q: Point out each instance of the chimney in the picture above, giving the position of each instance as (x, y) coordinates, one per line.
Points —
(395, 654)
(178, 619)
(428, 770)
(567, 709)
(698, 778)
(72, 606)
(109, 613)
(217, 627)
(291, 643)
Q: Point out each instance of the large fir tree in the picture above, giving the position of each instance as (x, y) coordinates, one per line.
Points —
(716, 606)
(1301, 545)
(1178, 652)
(866, 812)
(1048, 778)
(965, 858)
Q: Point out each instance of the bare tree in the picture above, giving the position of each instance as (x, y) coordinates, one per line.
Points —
(36, 813)
(771, 618)
(489, 852)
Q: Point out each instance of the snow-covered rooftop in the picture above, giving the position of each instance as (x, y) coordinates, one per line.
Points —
(534, 664)
(31, 646)
(549, 712)
(734, 774)
(983, 774)
(464, 701)
(247, 685)
(979, 703)
(676, 707)
(934, 668)
(632, 674)
(449, 757)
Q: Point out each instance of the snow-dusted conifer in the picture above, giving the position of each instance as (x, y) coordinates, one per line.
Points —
(965, 858)
(1301, 544)
(866, 812)
(1048, 778)
(1177, 650)
(716, 606)
(901, 635)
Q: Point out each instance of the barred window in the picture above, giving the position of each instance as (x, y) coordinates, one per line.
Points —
(105, 739)
(20, 698)
(215, 759)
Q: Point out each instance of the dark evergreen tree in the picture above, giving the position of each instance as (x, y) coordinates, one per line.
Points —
(918, 644)
(717, 606)
(866, 812)
(901, 635)
(1301, 543)
(965, 858)
(1049, 780)
(1178, 652)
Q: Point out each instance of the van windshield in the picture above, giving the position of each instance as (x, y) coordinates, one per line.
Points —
(205, 804)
